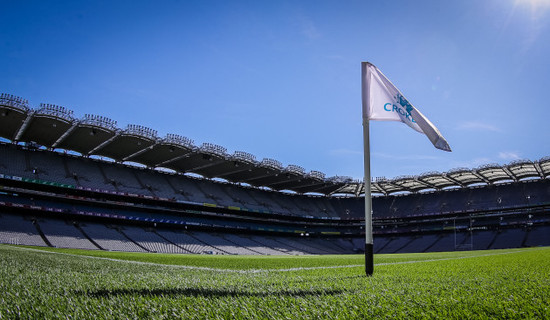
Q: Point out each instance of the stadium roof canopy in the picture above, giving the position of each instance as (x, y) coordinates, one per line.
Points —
(55, 127)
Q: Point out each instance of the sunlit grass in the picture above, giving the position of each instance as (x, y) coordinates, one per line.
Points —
(486, 284)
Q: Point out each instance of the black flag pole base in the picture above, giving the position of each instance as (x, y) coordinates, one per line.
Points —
(369, 259)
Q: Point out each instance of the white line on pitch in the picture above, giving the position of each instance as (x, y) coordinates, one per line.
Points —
(266, 270)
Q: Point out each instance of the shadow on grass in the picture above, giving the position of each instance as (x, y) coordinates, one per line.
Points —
(203, 292)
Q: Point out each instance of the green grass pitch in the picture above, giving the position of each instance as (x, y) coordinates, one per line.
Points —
(40, 283)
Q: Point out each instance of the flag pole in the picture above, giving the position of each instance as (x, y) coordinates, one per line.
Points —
(369, 252)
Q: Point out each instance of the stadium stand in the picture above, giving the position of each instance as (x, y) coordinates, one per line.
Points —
(110, 237)
(538, 236)
(150, 240)
(62, 234)
(59, 168)
(186, 241)
(268, 245)
(129, 190)
(19, 230)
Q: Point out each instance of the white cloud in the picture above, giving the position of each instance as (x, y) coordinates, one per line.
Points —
(478, 126)
(508, 155)
(345, 152)
(309, 30)
(474, 163)
(505, 156)
(404, 157)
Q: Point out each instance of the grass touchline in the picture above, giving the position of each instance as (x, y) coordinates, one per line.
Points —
(249, 271)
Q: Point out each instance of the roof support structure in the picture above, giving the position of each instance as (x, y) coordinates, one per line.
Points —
(208, 165)
(481, 177)
(103, 144)
(164, 163)
(65, 135)
(24, 126)
(128, 158)
(539, 169)
(510, 174)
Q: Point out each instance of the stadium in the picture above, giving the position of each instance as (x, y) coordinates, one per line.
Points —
(84, 183)
(102, 222)
(155, 160)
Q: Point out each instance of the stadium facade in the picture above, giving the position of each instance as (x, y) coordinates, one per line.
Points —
(85, 183)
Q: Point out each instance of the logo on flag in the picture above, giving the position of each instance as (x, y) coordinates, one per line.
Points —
(405, 103)
(382, 101)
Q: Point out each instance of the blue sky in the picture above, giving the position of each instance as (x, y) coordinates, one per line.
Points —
(281, 79)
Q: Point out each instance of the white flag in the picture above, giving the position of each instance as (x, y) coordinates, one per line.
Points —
(383, 101)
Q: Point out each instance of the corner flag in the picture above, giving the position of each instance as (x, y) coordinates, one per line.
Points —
(383, 101)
